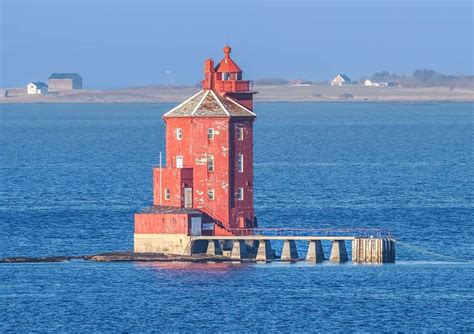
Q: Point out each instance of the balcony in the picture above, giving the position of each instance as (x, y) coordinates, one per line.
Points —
(233, 85)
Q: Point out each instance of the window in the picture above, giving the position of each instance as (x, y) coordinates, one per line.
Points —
(225, 76)
(240, 163)
(240, 133)
(167, 194)
(210, 163)
(210, 133)
(210, 194)
(240, 194)
(179, 161)
(179, 133)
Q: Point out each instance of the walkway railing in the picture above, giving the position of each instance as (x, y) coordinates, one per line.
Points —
(337, 232)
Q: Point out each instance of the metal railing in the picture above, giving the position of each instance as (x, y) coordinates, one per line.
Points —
(363, 232)
(337, 232)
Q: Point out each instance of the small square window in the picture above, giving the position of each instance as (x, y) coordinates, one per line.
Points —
(210, 163)
(240, 163)
(210, 194)
(167, 194)
(240, 134)
(179, 161)
(210, 133)
(179, 134)
(240, 194)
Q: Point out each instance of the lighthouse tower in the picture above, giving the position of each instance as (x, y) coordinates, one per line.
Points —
(206, 187)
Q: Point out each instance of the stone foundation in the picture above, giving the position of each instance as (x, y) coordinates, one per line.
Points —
(177, 244)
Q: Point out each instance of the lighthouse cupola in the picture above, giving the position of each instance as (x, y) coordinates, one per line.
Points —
(226, 79)
(227, 69)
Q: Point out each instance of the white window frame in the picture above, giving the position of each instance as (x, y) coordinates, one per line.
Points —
(210, 163)
(240, 134)
(240, 194)
(179, 161)
(179, 134)
(210, 133)
(167, 194)
(240, 163)
(211, 194)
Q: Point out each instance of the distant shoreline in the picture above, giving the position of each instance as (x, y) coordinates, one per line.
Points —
(313, 93)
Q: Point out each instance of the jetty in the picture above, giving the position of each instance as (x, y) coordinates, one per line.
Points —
(366, 245)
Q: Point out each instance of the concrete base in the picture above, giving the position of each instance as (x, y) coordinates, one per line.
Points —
(239, 250)
(226, 253)
(289, 252)
(265, 252)
(389, 250)
(315, 252)
(214, 248)
(338, 252)
(373, 250)
(177, 244)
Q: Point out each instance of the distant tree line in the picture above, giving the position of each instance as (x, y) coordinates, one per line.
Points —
(419, 78)
(426, 78)
(272, 82)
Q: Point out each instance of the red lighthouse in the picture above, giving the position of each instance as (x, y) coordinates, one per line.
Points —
(207, 185)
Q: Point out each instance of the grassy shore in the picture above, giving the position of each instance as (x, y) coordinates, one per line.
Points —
(153, 94)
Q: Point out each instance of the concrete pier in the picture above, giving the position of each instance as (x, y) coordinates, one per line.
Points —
(315, 252)
(264, 252)
(364, 249)
(373, 250)
(214, 248)
(239, 250)
(289, 251)
(338, 252)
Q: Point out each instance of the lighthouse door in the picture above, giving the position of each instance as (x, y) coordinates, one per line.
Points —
(188, 197)
(195, 225)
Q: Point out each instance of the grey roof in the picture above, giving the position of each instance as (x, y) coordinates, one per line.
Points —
(206, 103)
(162, 209)
(39, 84)
(65, 76)
(345, 77)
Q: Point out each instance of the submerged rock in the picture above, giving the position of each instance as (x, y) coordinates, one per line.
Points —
(120, 257)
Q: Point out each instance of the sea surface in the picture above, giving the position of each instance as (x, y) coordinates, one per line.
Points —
(73, 175)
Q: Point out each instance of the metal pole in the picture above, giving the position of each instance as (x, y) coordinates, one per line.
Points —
(160, 182)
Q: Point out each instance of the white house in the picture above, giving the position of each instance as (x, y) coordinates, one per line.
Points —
(370, 83)
(37, 88)
(340, 79)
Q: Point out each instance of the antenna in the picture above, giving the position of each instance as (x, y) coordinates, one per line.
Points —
(160, 181)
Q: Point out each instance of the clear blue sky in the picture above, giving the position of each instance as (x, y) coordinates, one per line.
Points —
(114, 43)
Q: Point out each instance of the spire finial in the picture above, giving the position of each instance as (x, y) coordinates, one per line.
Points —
(227, 51)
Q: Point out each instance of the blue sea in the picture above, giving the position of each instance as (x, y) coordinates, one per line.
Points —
(72, 175)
